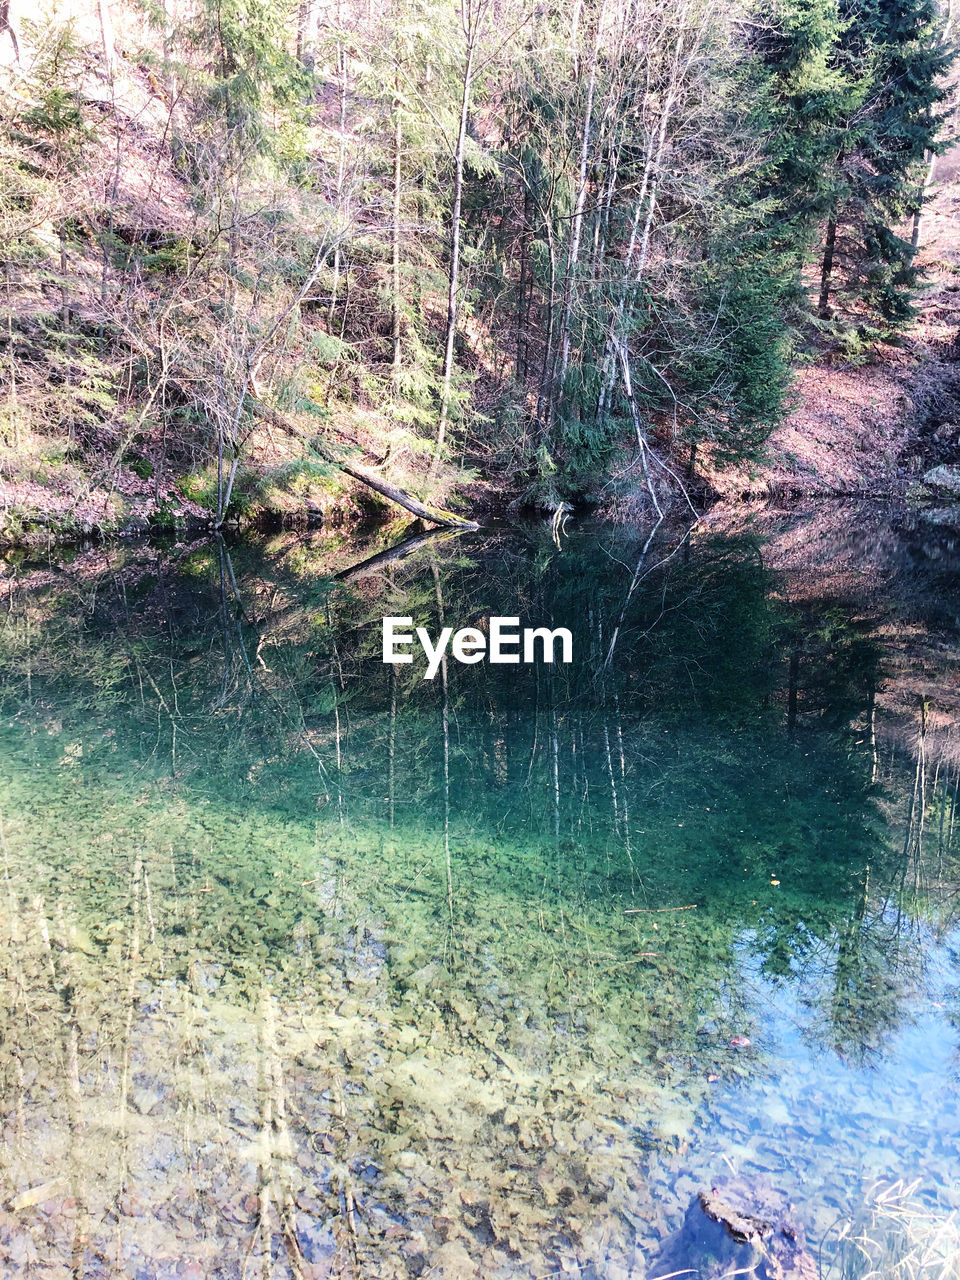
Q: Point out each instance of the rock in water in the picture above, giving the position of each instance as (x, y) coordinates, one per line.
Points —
(943, 481)
(741, 1230)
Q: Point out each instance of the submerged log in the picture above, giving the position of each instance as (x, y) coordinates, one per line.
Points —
(737, 1230)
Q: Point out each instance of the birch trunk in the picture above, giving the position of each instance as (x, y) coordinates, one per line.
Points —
(6, 25)
(472, 13)
(341, 172)
(931, 159)
(395, 307)
(106, 35)
(576, 230)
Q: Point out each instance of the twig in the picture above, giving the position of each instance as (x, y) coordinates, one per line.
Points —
(644, 911)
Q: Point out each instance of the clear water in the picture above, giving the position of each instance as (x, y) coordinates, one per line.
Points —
(312, 967)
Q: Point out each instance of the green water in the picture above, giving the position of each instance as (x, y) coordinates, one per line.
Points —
(313, 967)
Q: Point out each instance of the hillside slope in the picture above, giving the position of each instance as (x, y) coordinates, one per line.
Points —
(272, 264)
(870, 428)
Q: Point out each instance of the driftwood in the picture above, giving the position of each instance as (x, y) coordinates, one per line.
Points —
(433, 515)
(737, 1230)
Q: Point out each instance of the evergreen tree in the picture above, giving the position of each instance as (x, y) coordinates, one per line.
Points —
(800, 99)
(893, 51)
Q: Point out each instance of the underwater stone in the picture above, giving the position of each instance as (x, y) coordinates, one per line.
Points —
(739, 1229)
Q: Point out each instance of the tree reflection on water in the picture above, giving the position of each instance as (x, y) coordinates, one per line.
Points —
(315, 967)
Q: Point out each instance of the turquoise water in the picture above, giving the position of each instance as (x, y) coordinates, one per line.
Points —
(314, 967)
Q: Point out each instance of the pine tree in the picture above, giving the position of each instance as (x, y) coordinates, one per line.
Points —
(800, 101)
(894, 51)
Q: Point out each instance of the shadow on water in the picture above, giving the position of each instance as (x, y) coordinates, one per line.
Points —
(315, 967)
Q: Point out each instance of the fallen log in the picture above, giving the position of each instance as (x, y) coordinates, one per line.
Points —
(434, 515)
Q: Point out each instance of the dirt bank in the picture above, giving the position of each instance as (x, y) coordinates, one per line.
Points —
(871, 428)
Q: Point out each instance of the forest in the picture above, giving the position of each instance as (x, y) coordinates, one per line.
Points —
(265, 259)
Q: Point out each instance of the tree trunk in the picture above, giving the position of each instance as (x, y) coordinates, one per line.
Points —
(637, 424)
(454, 276)
(6, 25)
(931, 159)
(435, 515)
(576, 230)
(14, 409)
(634, 272)
(523, 337)
(106, 35)
(64, 293)
(341, 174)
(823, 306)
(403, 499)
(306, 32)
(543, 392)
(395, 232)
(793, 690)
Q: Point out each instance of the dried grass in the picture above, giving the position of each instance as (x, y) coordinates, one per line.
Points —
(898, 1236)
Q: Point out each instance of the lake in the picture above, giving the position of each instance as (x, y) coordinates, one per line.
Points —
(314, 967)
